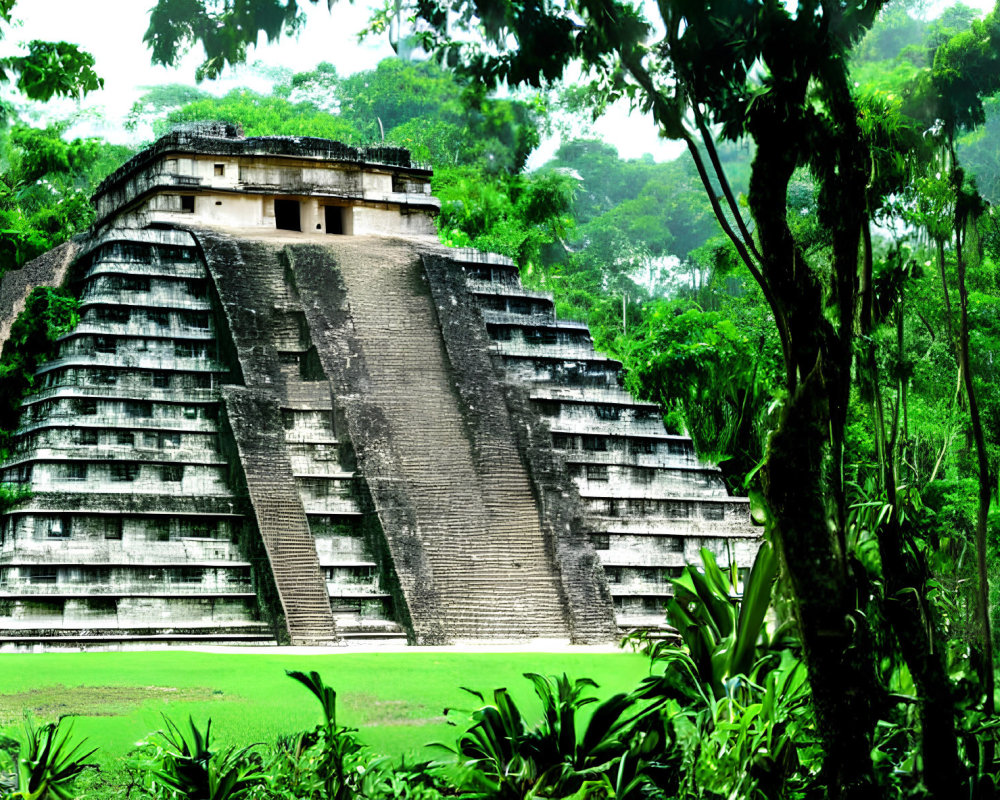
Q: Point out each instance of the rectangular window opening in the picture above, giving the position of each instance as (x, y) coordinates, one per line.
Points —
(124, 472)
(42, 575)
(549, 408)
(138, 409)
(161, 531)
(133, 283)
(595, 443)
(76, 472)
(597, 472)
(607, 412)
(600, 541)
(563, 441)
(85, 407)
(59, 528)
(113, 529)
(173, 473)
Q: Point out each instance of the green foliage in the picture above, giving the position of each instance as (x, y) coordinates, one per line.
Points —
(415, 105)
(760, 743)
(48, 762)
(517, 217)
(722, 642)
(605, 179)
(717, 374)
(45, 189)
(317, 86)
(420, 106)
(48, 314)
(262, 115)
(979, 150)
(11, 495)
(224, 31)
(966, 70)
(504, 757)
(396, 92)
(47, 69)
(326, 763)
(662, 206)
(51, 69)
(157, 101)
(737, 711)
(185, 767)
(894, 33)
(329, 763)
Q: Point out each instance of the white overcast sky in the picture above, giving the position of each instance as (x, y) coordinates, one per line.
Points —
(112, 31)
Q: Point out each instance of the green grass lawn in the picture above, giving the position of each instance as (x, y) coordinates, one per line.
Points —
(396, 699)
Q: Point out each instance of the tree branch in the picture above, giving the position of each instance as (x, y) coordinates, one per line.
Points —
(720, 173)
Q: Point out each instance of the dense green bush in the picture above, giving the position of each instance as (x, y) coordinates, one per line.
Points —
(48, 314)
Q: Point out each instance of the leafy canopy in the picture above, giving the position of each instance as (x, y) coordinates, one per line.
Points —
(48, 69)
(224, 28)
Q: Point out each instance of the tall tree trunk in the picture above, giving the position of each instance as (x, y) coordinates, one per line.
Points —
(947, 296)
(985, 636)
(801, 477)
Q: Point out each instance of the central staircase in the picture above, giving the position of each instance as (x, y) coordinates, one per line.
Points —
(470, 501)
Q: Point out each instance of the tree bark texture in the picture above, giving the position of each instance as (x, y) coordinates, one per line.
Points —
(802, 476)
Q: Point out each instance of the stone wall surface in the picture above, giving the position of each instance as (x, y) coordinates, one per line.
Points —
(256, 423)
(216, 176)
(246, 292)
(325, 302)
(648, 504)
(131, 532)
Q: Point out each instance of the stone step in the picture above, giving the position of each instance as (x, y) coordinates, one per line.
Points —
(486, 565)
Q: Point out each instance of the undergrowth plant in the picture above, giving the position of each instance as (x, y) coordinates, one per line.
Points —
(565, 754)
(327, 762)
(44, 764)
(181, 765)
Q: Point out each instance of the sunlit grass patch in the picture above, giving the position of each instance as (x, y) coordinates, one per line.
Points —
(397, 700)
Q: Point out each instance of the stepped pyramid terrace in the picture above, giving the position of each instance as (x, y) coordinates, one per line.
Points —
(287, 414)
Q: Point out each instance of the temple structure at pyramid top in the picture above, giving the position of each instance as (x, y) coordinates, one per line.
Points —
(212, 174)
(288, 415)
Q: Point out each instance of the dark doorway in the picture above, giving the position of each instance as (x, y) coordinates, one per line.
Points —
(286, 215)
(334, 219)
